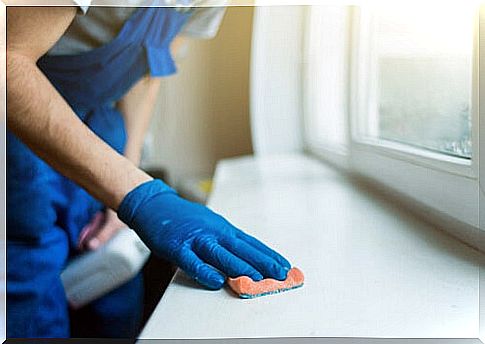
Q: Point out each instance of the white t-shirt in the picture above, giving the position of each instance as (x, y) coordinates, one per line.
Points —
(95, 26)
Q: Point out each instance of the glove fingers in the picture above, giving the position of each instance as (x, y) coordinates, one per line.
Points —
(264, 249)
(216, 255)
(200, 271)
(266, 265)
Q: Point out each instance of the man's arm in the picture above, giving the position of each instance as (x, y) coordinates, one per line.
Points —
(137, 109)
(42, 119)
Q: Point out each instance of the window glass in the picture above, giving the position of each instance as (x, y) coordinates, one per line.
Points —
(419, 88)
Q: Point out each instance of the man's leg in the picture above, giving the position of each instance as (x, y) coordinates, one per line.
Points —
(36, 303)
(37, 248)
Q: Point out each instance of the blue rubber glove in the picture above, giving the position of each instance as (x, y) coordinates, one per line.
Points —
(199, 241)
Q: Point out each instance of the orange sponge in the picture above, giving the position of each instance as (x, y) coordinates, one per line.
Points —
(246, 288)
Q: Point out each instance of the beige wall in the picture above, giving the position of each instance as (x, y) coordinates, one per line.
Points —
(203, 111)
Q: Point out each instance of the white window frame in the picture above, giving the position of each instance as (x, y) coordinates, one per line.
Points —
(444, 184)
(333, 153)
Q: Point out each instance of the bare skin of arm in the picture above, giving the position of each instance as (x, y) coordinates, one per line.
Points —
(137, 109)
(43, 120)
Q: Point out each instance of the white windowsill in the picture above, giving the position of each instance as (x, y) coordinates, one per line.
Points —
(372, 271)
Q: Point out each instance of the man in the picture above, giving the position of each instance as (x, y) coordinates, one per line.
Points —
(80, 92)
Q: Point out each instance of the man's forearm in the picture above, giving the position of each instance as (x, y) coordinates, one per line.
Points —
(137, 109)
(42, 119)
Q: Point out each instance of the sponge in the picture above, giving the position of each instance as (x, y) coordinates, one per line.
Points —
(246, 288)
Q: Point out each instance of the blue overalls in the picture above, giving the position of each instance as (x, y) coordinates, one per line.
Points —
(46, 211)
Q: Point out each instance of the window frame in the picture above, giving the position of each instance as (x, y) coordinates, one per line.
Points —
(361, 20)
(335, 154)
(413, 173)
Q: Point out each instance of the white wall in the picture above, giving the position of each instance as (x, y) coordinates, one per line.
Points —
(276, 79)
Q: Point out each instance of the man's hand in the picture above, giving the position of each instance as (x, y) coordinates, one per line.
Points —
(202, 243)
(102, 227)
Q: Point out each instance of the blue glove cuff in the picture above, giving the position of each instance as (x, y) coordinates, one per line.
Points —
(138, 196)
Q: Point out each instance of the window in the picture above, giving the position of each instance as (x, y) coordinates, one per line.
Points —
(326, 80)
(419, 84)
(399, 91)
